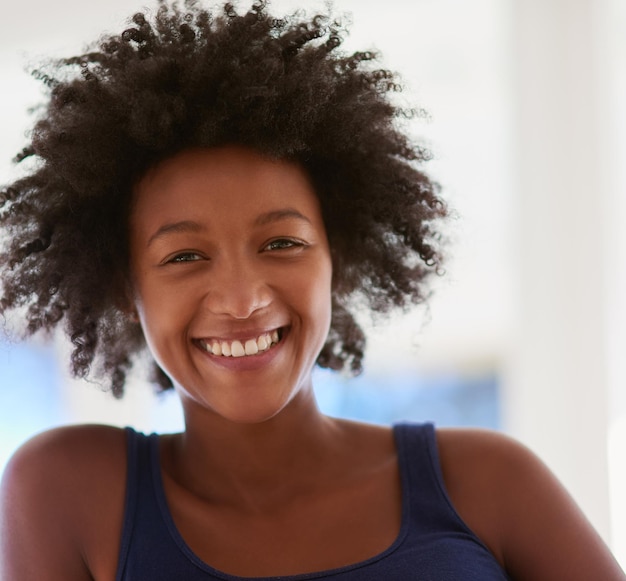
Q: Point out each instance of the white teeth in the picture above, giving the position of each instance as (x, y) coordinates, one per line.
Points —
(238, 349)
(251, 347)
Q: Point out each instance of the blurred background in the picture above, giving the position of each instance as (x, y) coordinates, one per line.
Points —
(526, 333)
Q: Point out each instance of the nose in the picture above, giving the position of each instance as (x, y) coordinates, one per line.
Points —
(237, 290)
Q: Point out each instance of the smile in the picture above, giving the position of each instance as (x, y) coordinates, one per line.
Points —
(244, 348)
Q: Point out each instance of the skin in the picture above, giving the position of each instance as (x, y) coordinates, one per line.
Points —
(260, 476)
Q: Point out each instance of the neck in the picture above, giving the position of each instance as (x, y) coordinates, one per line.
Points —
(253, 465)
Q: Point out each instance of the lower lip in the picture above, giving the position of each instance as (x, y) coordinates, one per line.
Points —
(247, 362)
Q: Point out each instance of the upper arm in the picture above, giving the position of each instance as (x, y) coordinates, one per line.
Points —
(528, 519)
(45, 494)
(546, 534)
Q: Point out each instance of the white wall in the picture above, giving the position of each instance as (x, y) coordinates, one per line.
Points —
(560, 391)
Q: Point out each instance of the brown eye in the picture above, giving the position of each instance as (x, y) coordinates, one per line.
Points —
(184, 257)
(283, 244)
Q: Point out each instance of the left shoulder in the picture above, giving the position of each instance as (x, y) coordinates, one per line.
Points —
(512, 501)
(486, 457)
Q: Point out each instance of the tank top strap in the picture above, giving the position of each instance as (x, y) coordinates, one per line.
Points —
(418, 455)
(428, 501)
(139, 493)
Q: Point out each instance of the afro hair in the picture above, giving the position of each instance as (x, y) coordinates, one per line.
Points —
(196, 77)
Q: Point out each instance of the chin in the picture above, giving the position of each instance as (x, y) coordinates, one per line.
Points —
(250, 416)
(240, 410)
(242, 405)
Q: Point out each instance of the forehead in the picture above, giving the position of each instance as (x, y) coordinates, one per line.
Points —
(219, 184)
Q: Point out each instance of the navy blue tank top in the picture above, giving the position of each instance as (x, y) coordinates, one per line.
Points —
(434, 544)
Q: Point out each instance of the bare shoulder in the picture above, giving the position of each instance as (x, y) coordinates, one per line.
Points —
(483, 459)
(65, 457)
(56, 490)
(513, 502)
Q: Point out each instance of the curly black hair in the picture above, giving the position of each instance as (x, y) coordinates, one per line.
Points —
(194, 77)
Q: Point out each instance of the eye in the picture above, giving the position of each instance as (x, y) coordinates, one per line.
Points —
(284, 244)
(184, 257)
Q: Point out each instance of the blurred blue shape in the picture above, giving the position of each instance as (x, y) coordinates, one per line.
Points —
(447, 398)
(29, 394)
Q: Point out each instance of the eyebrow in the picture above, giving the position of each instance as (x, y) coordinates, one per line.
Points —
(182, 227)
(278, 215)
(189, 226)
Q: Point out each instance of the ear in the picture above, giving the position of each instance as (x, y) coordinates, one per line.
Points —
(132, 316)
(124, 299)
(128, 309)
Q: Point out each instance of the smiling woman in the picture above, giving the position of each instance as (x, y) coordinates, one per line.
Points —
(223, 191)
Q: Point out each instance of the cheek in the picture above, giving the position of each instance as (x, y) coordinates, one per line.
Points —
(161, 315)
(318, 291)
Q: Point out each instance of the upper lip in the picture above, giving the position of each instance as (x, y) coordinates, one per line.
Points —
(239, 335)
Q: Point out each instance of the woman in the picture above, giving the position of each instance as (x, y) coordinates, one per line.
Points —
(226, 190)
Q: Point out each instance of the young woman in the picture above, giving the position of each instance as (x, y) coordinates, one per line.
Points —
(223, 191)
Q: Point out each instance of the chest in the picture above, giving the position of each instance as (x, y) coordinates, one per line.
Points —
(320, 530)
(171, 533)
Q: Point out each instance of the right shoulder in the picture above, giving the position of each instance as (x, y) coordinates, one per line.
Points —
(70, 457)
(59, 490)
